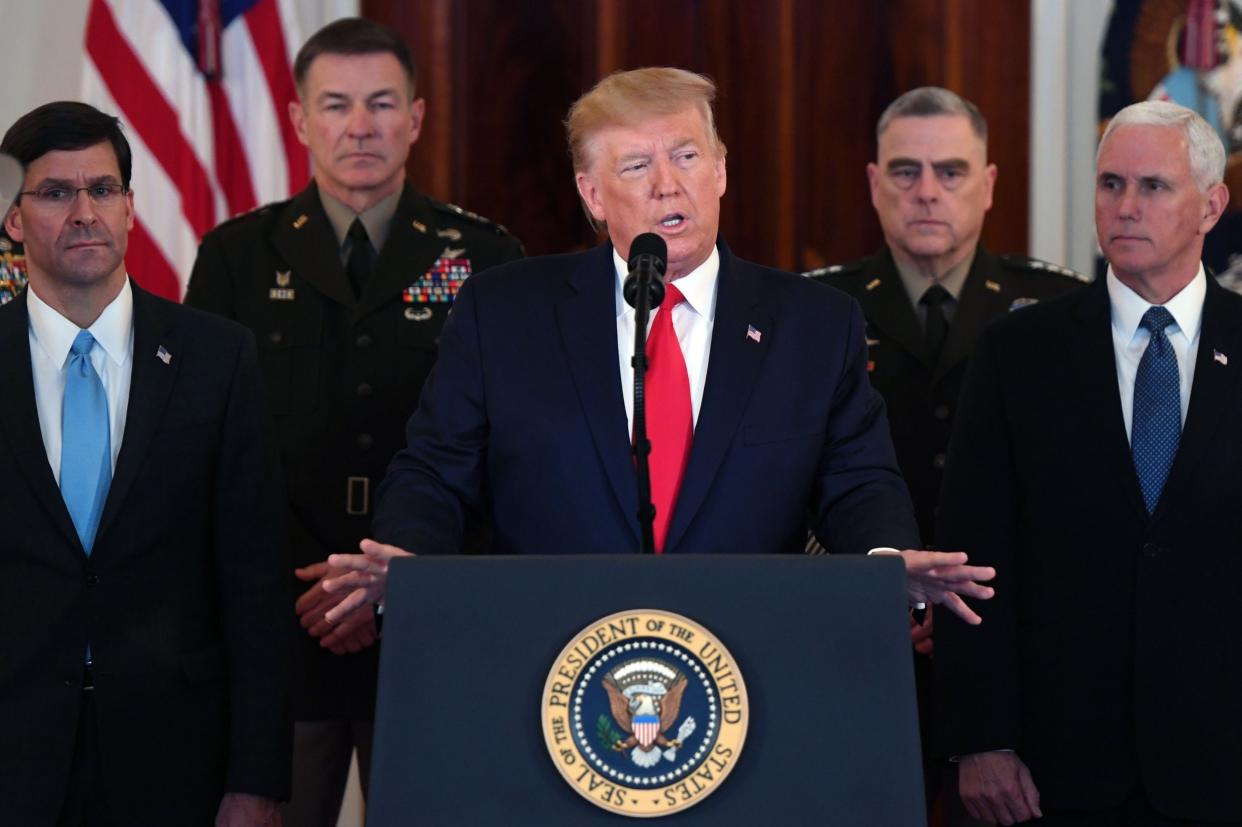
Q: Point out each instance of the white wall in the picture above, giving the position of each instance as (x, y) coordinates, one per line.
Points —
(1066, 36)
(40, 54)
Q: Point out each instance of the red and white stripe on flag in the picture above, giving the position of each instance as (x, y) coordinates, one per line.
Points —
(203, 88)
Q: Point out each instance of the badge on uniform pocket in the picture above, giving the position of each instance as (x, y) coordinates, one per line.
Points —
(282, 292)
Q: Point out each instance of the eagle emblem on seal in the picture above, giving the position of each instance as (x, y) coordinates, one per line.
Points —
(644, 697)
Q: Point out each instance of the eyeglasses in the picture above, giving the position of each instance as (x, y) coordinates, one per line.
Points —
(57, 195)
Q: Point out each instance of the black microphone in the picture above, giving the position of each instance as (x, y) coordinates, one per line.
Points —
(644, 290)
(648, 259)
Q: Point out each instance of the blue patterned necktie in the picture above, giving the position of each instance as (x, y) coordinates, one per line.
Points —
(1156, 425)
(86, 442)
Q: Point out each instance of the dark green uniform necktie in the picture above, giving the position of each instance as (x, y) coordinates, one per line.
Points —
(359, 265)
(936, 328)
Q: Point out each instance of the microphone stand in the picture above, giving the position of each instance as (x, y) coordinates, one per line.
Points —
(642, 445)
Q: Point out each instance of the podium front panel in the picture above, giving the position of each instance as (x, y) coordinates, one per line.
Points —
(823, 644)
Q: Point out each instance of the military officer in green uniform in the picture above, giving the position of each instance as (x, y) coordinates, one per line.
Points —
(929, 292)
(12, 268)
(346, 287)
(933, 287)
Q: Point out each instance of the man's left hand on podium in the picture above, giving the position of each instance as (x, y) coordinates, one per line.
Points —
(943, 577)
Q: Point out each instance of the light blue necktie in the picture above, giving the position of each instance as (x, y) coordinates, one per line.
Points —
(1156, 426)
(86, 442)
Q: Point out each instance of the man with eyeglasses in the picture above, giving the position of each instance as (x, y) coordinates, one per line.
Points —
(141, 547)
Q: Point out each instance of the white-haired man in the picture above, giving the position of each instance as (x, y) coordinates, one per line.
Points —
(1103, 688)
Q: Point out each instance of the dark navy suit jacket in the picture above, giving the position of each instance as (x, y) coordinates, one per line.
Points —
(523, 416)
(181, 598)
(1109, 656)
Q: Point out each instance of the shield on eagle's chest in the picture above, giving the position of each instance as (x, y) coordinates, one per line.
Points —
(646, 728)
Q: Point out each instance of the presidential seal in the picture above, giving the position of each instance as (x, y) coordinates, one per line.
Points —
(644, 713)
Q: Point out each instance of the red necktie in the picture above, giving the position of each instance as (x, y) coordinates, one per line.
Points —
(670, 418)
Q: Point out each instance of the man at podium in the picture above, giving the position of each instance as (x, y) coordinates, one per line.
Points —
(758, 403)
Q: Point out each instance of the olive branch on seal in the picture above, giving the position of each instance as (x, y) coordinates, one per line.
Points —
(605, 734)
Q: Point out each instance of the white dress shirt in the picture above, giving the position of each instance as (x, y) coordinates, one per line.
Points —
(51, 337)
(693, 320)
(1130, 340)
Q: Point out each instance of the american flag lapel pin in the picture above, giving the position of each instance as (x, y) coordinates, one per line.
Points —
(163, 355)
(1219, 357)
(753, 333)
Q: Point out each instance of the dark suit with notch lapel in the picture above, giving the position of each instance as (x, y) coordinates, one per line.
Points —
(1109, 655)
(342, 375)
(525, 407)
(182, 599)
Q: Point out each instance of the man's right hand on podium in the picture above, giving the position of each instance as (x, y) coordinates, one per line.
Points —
(366, 574)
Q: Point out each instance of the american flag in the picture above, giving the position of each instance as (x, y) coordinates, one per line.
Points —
(203, 88)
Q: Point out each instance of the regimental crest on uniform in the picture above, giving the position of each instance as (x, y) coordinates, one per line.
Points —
(645, 713)
(283, 277)
(439, 285)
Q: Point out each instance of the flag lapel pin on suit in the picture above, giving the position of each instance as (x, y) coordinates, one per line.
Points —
(163, 355)
(753, 333)
(1219, 357)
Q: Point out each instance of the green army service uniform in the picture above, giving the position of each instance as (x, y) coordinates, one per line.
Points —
(920, 392)
(342, 374)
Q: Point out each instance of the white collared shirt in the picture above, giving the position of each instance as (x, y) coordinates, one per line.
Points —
(51, 337)
(693, 320)
(1130, 340)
